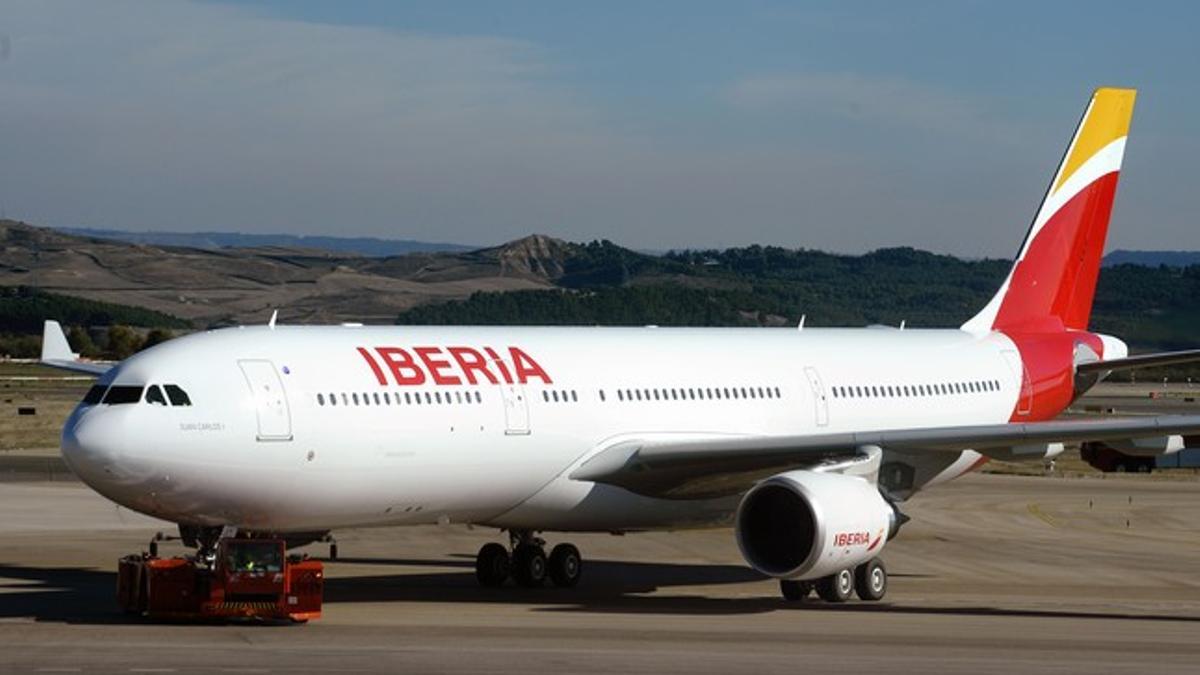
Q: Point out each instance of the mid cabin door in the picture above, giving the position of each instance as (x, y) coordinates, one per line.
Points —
(820, 400)
(270, 400)
(516, 404)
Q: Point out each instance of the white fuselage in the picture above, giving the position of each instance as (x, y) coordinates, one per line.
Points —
(262, 446)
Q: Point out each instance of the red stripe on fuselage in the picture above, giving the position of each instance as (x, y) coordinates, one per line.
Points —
(1049, 361)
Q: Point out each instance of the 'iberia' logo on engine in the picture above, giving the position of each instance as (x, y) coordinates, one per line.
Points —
(851, 539)
(452, 365)
(861, 538)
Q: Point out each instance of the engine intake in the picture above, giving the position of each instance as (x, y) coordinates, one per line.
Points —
(807, 525)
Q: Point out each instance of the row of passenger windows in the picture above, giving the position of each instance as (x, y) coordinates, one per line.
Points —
(912, 390)
(549, 396)
(396, 398)
(123, 394)
(697, 394)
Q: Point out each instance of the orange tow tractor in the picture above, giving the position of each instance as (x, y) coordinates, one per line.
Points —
(243, 579)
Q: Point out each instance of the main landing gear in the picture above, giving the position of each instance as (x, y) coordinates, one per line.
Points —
(869, 581)
(528, 564)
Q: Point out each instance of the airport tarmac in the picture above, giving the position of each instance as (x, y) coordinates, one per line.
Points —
(995, 574)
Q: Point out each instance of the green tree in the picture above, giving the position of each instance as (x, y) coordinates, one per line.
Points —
(156, 336)
(81, 342)
(120, 342)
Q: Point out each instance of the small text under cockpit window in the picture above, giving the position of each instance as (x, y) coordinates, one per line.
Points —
(177, 395)
(123, 394)
(154, 395)
(95, 394)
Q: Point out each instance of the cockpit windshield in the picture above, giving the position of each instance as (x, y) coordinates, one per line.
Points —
(154, 395)
(178, 396)
(95, 394)
(123, 394)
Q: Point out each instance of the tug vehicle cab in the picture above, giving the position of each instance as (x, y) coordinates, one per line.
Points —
(241, 578)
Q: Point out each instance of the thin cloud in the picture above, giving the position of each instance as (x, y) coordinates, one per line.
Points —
(870, 100)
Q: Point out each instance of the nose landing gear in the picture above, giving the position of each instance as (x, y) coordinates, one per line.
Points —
(528, 565)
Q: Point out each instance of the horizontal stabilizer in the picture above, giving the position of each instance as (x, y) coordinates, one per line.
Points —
(1141, 361)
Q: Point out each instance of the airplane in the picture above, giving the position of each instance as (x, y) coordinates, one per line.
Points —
(806, 440)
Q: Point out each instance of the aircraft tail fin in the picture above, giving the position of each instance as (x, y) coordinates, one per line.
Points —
(1053, 280)
(56, 352)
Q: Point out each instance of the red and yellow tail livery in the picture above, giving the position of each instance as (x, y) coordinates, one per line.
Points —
(1053, 280)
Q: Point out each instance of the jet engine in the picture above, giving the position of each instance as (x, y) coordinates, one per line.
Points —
(806, 524)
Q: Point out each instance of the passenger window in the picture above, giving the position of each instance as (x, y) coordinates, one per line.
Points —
(176, 395)
(123, 395)
(333, 399)
(95, 394)
(155, 396)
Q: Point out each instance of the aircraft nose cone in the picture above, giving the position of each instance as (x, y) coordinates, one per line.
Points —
(90, 448)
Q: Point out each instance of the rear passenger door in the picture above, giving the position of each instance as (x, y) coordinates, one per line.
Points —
(820, 401)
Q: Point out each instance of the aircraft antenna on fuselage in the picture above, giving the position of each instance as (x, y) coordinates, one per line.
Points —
(274, 315)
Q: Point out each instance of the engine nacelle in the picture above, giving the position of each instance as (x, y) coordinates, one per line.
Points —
(807, 524)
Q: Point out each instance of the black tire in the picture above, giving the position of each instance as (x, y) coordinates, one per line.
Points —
(837, 587)
(871, 580)
(566, 566)
(492, 565)
(795, 591)
(333, 552)
(529, 566)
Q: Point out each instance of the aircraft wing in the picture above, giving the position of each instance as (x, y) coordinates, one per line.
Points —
(56, 352)
(723, 466)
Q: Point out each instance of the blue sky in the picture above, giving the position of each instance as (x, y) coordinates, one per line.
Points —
(845, 126)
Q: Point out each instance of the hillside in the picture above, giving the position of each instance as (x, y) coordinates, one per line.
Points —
(365, 246)
(243, 285)
(1153, 258)
(1152, 308)
(542, 280)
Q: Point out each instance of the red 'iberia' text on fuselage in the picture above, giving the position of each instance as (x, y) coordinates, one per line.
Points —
(451, 365)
